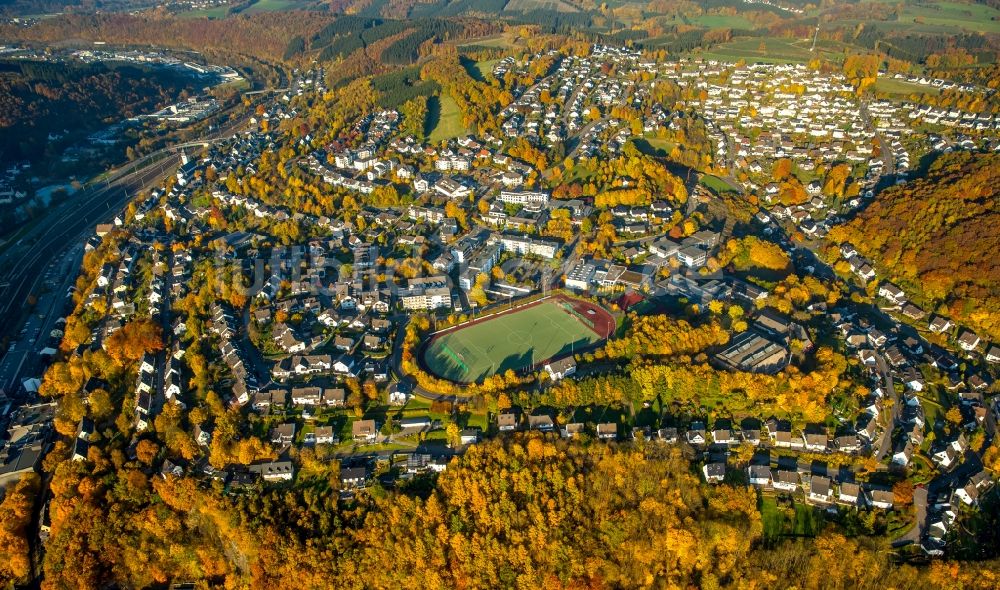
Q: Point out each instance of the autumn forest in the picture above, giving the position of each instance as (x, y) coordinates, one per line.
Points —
(524, 512)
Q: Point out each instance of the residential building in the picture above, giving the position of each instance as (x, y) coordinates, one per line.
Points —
(523, 197)
(559, 369)
(364, 431)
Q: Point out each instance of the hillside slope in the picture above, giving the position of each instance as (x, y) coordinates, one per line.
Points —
(526, 512)
(938, 238)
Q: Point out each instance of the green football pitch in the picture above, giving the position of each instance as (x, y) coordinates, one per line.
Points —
(513, 340)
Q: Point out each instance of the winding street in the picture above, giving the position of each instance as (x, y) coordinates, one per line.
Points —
(396, 367)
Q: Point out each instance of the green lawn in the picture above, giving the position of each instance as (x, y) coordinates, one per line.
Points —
(220, 12)
(938, 18)
(772, 519)
(714, 21)
(436, 435)
(501, 42)
(649, 416)
(416, 403)
(894, 86)
(239, 85)
(716, 184)
(970, 17)
(214, 12)
(579, 173)
(762, 49)
(654, 146)
(274, 6)
(478, 69)
(801, 520)
(257, 7)
(479, 421)
(774, 50)
(485, 67)
(933, 409)
(444, 114)
(529, 5)
(807, 520)
(597, 414)
(723, 21)
(515, 340)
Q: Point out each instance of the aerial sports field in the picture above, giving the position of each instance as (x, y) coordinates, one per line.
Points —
(518, 339)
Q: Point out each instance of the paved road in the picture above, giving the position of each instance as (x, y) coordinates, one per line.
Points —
(20, 263)
(886, 444)
(265, 91)
(396, 369)
(260, 366)
(805, 255)
(583, 131)
(569, 102)
(418, 448)
(888, 158)
(22, 358)
(573, 255)
(640, 241)
(914, 535)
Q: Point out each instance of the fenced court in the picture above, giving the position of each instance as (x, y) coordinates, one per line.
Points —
(523, 338)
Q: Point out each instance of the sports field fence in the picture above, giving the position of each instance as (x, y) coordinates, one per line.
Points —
(586, 321)
(453, 356)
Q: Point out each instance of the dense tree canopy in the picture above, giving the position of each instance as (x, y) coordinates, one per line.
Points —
(937, 237)
(15, 521)
(752, 252)
(525, 512)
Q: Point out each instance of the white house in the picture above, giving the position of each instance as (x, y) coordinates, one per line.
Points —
(714, 472)
(561, 368)
(759, 475)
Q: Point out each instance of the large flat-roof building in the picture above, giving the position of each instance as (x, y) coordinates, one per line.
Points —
(751, 352)
(426, 293)
(581, 276)
(531, 246)
(692, 256)
(523, 197)
(481, 263)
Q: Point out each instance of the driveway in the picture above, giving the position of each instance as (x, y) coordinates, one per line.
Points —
(915, 533)
(883, 370)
